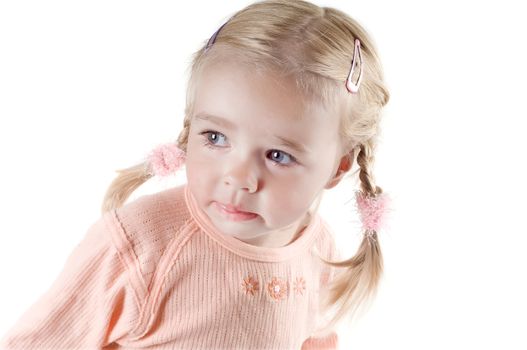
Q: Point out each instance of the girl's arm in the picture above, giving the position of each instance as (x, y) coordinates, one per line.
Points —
(90, 305)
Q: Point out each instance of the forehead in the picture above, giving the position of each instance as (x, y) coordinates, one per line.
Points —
(266, 101)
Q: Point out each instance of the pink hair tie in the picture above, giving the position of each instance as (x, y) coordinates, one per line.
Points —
(166, 159)
(372, 211)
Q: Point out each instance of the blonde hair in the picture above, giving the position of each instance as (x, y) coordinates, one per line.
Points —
(315, 46)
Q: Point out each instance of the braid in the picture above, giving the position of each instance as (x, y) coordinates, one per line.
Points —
(365, 159)
(183, 135)
(359, 279)
(129, 179)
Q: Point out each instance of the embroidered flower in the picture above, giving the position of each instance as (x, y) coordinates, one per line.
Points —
(277, 288)
(250, 285)
(299, 286)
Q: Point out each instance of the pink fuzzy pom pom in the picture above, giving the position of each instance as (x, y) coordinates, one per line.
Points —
(166, 159)
(372, 210)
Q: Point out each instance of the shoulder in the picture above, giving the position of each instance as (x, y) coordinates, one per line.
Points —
(154, 214)
(326, 248)
(325, 242)
(147, 226)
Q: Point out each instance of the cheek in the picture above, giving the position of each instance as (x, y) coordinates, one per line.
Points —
(193, 174)
(291, 197)
(197, 164)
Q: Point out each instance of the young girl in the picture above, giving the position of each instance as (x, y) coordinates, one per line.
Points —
(281, 100)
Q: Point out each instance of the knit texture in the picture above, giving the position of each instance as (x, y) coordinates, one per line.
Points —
(156, 274)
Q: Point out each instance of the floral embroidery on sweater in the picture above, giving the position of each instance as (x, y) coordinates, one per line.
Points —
(299, 286)
(277, 288)
(250, 285)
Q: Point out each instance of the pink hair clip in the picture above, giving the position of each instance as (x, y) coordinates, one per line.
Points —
(166, 159)
(351, 86)
(372, 210)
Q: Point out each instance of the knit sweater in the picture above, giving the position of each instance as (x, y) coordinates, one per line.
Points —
(155, 273)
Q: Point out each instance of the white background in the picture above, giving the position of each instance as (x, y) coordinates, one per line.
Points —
(89, 87)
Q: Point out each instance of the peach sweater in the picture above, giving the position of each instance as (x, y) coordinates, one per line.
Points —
(156, 274)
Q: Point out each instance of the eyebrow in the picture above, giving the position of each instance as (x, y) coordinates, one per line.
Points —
(216, 120)
(230, 125)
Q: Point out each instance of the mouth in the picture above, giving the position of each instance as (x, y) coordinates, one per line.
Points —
(231, 213)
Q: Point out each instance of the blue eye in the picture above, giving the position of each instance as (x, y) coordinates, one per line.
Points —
(212, 137)
(278, 157)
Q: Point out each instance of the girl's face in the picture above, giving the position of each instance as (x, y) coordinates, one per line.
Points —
(253, 145)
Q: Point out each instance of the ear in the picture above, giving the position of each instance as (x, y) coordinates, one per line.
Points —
(344, 166)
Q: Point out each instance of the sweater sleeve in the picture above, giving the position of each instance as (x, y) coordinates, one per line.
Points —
(90, 305)
(329, 342)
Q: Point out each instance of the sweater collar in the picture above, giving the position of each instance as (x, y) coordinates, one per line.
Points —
(268, 254)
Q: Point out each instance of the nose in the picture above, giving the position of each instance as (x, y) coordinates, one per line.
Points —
(241, 176)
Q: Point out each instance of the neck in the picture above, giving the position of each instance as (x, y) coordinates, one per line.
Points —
(284, 237)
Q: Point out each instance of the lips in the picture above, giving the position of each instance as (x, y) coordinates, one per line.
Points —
(233, 209)
(233, 213)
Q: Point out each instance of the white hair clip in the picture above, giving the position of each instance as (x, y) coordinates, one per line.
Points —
(351, 86)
